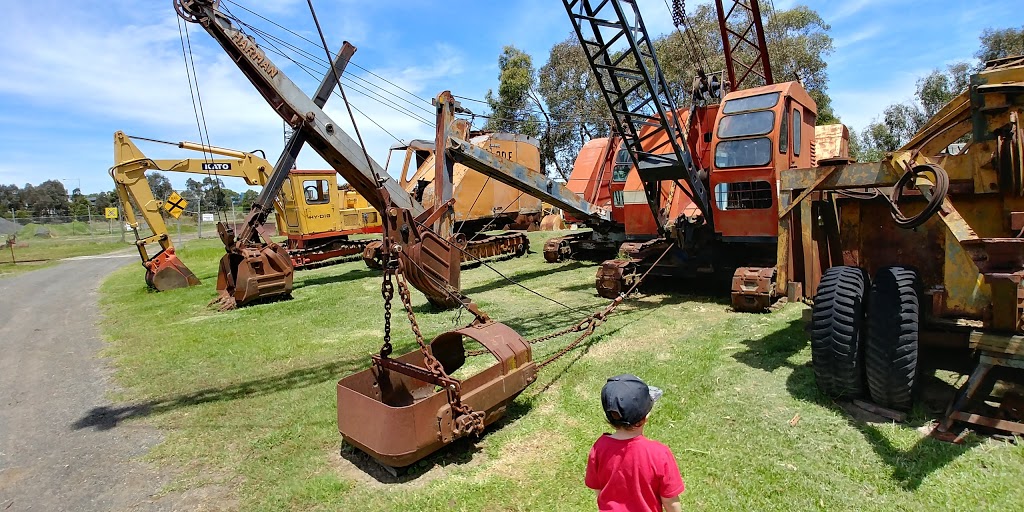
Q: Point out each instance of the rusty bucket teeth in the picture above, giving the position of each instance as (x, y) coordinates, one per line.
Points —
(167, 272)
(223, 302)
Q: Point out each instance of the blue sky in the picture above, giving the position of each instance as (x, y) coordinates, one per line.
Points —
(71, 73)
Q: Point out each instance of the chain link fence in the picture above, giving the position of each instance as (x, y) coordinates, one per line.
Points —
(96, 228)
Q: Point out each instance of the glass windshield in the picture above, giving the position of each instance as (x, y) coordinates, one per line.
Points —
(743, 153)
(750, 123)
(761, 101)
(622, 165)
(316, 191)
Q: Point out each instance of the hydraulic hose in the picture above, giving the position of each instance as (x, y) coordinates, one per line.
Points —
(941, 188)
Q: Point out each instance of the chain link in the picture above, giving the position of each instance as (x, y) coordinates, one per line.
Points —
(467, 421)
(387, 290)
(587, 325)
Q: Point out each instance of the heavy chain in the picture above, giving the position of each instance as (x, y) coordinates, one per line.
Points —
(585, 326)
(467, 421)
(387, 290)
(678, 12)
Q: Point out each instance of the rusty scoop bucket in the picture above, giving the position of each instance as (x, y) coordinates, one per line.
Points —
(248, 274)
(394, 413)
(165, 271)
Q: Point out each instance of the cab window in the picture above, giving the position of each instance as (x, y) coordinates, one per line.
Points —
(759, 102)
(622, 165)
(796, 132)
(743, 153)
(749, 123)
(744, 195)
(316, 191)
(784, 133)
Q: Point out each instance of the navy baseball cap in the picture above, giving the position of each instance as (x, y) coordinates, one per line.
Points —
(627, 399)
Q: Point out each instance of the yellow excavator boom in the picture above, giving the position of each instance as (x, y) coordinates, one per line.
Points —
(164, 270)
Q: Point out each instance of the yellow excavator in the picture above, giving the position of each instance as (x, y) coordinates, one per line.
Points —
(314, 214)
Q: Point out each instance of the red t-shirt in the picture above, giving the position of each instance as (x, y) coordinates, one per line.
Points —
(632, 475)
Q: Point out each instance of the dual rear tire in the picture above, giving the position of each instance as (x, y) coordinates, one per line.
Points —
(864, 335)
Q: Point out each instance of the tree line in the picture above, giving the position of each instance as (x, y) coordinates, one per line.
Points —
(900, 121)
(51, 199)
(561, 105)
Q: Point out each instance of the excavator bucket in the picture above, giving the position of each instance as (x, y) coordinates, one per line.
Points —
(395, 413)
(253, 273)
(165, 271)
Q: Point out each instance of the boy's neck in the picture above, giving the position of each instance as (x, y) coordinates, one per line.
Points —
(623, 434)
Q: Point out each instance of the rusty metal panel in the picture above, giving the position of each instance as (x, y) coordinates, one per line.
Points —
(872, 174)
(967, 293)
(1016, 221)
(849, 233)
(810, 249)
(784, 263)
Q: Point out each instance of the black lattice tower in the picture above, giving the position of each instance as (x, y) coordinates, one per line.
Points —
(621, 54)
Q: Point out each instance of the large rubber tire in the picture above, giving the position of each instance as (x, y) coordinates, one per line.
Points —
(837, 332)
(894, 322)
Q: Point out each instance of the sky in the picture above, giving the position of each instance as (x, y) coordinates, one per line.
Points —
(71, 74)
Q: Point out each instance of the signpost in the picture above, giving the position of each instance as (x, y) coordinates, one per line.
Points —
(110, 214)
(175, 205)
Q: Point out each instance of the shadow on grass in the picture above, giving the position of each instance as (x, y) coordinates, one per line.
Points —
(337, 277)
(909, 466)
(107, 417)
(499, 282)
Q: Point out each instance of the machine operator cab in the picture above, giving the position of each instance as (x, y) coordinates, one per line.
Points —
(315, 206)
(757, 133)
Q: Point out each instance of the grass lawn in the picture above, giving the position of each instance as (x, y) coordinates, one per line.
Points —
(247, 401)
(52, 249)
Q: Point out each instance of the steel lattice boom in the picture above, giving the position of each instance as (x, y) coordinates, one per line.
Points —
(621, 54)
(745, 39)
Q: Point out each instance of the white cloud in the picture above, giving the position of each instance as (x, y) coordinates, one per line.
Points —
(848, 8)
(862, 34)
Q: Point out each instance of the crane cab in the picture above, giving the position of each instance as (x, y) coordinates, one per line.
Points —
(479, 201)
(757, 133)
(597, 176)
(316, 207)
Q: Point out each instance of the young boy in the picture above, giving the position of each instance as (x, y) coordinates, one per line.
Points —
(628, 471)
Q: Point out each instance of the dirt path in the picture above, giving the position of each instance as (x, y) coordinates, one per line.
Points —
(50, 377)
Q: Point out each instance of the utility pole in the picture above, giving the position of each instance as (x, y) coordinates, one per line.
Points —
(200, 216)
(89, 210)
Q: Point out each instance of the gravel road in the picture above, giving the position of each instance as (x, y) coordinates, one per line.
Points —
(51, 376)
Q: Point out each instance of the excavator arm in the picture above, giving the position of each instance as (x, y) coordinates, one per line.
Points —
(164, 270)
(298, 110)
